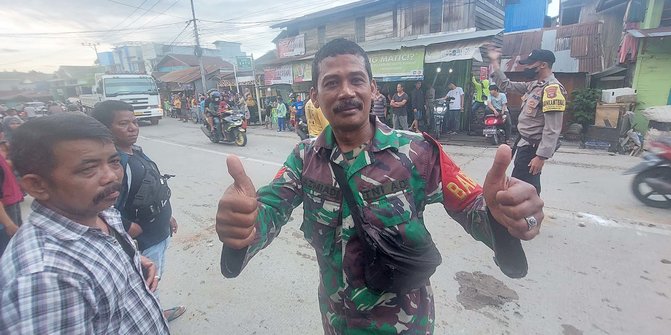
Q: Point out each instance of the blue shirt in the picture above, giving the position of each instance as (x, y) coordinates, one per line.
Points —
(498, 102)
(300, 108)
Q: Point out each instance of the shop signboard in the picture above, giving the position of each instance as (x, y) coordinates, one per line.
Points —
(398, 65)
(244, 63)
(302, 72)
(452, 51)
(282, 74)
(292, 46)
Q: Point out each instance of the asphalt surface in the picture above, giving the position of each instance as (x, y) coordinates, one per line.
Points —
(602, 264)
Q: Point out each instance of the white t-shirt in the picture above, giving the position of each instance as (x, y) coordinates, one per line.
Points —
(456, 94)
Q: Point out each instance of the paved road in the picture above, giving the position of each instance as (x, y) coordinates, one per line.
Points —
(601, 265)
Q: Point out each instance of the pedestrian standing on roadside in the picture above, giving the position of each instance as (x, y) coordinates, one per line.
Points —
(455, 96)
(281, 115)
(399, 109)
(177, 106)
(71, 268)
(361, 181)
(541, 116)
(144, 202)
(417, 106)
(379, 105)
(186, 108)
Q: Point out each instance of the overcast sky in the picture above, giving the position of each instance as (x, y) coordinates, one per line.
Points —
(43, 34)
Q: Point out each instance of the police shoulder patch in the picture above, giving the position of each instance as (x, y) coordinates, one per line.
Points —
(553, 99)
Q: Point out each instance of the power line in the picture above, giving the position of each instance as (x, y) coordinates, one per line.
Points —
(132, 6)
(162, 13)
(129, 16)
(45, 34)
(180, 33)
(145, 13)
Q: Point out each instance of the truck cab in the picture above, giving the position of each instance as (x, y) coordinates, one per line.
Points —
(136, 89)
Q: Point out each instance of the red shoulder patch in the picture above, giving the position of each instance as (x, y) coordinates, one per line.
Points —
(551, 91)
(281, 172)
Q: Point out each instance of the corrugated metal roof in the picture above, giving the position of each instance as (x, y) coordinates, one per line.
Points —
(327, 12)
(577, 47)
(188, 75)
(424, 40)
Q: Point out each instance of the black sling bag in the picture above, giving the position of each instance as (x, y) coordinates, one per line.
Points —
(390, 264)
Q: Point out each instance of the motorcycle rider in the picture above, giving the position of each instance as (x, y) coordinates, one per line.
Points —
(497, 103)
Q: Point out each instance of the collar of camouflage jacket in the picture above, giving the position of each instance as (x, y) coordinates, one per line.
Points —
(384, 137)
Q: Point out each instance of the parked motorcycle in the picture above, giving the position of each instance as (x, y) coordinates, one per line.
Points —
(494, 128)
(229, 127)
(439, 113)
(652, 183)
(302, 130)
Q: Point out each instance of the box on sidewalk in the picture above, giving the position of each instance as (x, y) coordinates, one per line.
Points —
(608, 115)
(610, 96)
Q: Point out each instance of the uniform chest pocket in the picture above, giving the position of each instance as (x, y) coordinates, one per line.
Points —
(321, 222)
(530, 104)
(391, 209)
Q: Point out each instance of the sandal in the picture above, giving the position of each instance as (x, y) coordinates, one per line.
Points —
(174, 313)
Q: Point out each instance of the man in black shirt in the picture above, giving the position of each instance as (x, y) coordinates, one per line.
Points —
(145, 198)
(417, 106)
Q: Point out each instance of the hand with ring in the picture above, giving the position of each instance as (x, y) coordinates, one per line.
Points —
(512, 202)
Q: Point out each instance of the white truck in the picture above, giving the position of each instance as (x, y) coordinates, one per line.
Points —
(139, 90)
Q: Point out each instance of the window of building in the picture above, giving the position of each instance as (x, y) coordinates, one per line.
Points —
(570, 15)
(321, 36)
(666, 14)
(436, 16)
(360, 29)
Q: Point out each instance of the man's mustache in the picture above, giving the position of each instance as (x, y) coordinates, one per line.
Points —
(116, 187)
(344, 105)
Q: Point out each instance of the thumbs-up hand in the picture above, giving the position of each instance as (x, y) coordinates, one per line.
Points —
(238, 208)
(512, 202)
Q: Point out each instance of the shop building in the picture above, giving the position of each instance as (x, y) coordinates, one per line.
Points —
(434, 41)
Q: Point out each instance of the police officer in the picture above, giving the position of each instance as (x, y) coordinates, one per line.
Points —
(541, 116)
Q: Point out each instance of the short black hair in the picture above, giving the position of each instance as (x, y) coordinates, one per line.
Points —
(336, 47)
(32, 146)
(104, 111)
(493, 87)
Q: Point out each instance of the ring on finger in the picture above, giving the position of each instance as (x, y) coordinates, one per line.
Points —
(531, 222)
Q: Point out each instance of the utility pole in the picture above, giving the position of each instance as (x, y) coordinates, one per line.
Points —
(198, 51)
(94, 45)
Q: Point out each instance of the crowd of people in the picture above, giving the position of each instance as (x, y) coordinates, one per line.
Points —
(187, 107)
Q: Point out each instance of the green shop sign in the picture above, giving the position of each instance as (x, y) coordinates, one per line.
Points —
(398, 65)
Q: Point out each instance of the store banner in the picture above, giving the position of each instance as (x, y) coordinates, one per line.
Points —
(302, 72)
(454, 51)
(292, 46)
(398, 65)
(244, 63)
(278, 75)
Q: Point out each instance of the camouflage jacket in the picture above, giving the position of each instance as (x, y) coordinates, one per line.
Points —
(397, 175)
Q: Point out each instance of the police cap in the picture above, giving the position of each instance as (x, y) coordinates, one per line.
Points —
(539, 55)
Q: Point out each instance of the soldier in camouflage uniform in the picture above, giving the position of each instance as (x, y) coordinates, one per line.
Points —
(541, 116)
(395, 174)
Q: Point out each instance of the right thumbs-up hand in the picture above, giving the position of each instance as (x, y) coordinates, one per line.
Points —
(238, 208)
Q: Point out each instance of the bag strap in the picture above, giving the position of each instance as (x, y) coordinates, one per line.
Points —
(355, 211)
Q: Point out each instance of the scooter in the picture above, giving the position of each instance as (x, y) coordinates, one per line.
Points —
(494, 128)
(439, 113)
(652, 183)
(227, 129)
(302, 130)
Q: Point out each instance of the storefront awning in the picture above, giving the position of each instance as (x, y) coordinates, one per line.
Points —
(451, 51)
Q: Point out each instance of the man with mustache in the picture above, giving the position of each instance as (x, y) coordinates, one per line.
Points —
(71, 268)
(392, 175)
(145, 197)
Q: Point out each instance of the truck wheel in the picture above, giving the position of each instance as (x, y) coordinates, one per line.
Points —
(154, 120)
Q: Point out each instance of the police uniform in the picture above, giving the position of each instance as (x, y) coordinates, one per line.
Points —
(541, 116)
(393, 178)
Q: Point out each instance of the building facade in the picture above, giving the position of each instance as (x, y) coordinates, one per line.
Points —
(434, 41)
